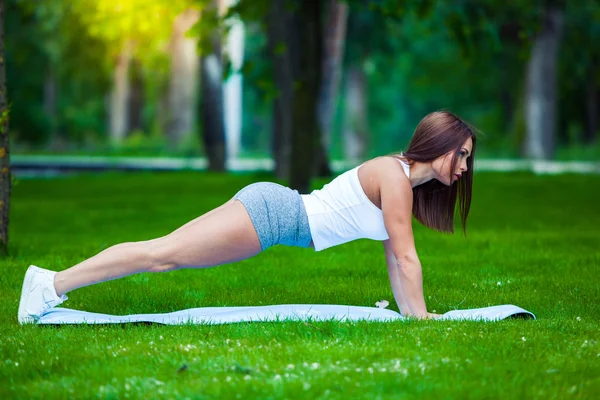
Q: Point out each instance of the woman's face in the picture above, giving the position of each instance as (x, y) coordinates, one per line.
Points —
(443, 168)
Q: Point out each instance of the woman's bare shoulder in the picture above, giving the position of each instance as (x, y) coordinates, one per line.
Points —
(384, 174)
(386, 169)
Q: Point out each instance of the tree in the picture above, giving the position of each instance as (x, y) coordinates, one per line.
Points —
(541, 97)
(5, 176)
(306, 130)
(296, 48)
(233, 51)
(335, 38)
(281, 50)
(119, 97)
(211, 91)
(579, 72)
(183, 90)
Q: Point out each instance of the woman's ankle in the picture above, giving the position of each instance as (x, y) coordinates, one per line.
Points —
(59, 284)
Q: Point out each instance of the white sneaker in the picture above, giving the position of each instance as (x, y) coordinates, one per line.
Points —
(38, 294)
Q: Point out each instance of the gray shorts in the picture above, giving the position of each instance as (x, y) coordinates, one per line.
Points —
(277, 213)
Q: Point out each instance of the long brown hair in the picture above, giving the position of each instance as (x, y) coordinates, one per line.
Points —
(434, 203)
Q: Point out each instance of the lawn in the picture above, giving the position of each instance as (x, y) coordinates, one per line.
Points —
(532, 241)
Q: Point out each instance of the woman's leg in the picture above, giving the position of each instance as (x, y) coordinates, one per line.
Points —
(223, 235)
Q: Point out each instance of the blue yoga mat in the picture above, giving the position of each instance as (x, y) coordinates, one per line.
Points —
(294, 312)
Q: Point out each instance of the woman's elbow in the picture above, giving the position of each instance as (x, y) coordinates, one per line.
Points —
(407, 259)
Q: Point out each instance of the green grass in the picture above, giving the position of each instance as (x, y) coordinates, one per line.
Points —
(532, 241)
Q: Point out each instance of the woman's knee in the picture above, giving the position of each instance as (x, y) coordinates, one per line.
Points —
(160, 256)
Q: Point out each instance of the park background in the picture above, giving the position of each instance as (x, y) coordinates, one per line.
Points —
(296, 92)
(213, 79)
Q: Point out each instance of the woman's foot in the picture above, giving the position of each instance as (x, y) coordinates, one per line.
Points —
(38, 294)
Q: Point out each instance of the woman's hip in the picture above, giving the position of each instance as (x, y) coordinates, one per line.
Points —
(277, 213)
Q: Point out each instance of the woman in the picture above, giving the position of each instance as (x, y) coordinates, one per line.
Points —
(374, 200)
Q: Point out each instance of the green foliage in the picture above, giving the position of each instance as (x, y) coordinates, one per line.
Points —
(466, 56)
(47, 41)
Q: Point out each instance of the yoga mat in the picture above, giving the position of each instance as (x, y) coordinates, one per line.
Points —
(295, 312)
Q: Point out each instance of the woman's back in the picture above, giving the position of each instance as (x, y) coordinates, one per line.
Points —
(347, 208)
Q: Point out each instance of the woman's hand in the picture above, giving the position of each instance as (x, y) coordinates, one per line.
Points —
(426, 316)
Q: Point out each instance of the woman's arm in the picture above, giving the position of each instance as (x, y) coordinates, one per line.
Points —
(396, 204)
(393, 273)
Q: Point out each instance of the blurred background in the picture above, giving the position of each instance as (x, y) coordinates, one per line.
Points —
(304, 88)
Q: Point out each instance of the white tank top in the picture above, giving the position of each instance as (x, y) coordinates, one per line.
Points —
(342, 212)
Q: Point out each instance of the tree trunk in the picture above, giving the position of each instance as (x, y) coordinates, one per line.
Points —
(592, 108)
(306, 131)
(136, 99)
(233, 48)
(50, 96)
(182, 84)
(5, 175)
(119, 101)
(356, 125)
(335, 36)
(282, 48)
(541, 87)
(211, 105)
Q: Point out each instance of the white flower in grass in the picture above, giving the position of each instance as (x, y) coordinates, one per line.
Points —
(315, 365)
(370, 370)
(247, 377)
(573, 389)
(358, 370)
(382, 303)
(499, 283)
(578, 318)
(290, 366)
(277, 377)
(523, 339)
